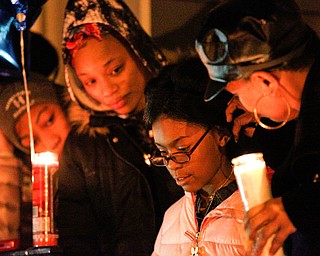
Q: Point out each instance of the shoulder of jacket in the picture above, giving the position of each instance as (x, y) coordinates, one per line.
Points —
(233, 202)
(175, 210)
(232, 207)
(80, 121)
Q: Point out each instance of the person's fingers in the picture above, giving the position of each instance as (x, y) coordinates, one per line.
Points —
(255, 225)
(249, 131)
(240, 122)
(236, 132)
(257, 218)
(285, 228)
(268, 221)
(269, 229)
(259, 244)
(233, 105)
(271, 236)
(229, 112)
(244, 119)
(277, 243)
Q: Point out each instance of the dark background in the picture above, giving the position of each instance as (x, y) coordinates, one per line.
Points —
(175, 23)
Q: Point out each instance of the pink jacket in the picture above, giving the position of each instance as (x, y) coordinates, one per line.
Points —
(222, 232)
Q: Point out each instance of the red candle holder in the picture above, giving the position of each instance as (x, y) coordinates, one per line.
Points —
(44, 166)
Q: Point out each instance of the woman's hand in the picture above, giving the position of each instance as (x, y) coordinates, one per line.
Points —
(242, 120)
(267, 220)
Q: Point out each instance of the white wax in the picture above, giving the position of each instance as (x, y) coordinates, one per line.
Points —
(253, 183)
(251, 175)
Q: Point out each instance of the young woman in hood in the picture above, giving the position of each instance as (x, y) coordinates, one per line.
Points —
(111, 200)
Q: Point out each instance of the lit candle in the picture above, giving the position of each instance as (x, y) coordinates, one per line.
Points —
(44, 166)
(251, 175)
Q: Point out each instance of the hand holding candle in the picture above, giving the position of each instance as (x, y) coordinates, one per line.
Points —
(250, 172)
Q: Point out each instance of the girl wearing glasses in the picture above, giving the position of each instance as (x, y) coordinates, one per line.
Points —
(195, 143)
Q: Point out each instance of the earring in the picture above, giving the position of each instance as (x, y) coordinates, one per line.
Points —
(258, 120)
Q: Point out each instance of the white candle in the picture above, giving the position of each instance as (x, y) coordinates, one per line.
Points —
(251, 175)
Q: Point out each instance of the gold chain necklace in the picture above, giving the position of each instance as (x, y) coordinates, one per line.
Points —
(211, 197)
(195, 249)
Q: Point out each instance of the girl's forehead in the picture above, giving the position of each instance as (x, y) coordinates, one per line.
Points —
(166, 129)
(165, 123)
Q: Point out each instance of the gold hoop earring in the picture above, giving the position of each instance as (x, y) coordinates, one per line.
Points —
(267, 127)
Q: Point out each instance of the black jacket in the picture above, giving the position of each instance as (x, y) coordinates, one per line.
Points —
(298, 181)
(110, 201)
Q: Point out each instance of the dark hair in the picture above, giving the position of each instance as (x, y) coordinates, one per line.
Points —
(177, 93)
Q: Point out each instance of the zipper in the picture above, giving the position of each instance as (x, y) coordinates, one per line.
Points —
(195, 240)
(195, 249)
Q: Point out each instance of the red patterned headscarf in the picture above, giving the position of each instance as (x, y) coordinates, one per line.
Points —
(94, 18)
(83, 32)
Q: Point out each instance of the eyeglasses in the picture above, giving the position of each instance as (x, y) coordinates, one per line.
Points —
(178, 157)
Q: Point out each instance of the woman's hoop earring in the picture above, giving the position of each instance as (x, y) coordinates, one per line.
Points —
(258, 120)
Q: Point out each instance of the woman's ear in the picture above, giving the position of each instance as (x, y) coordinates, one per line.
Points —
(266, 81)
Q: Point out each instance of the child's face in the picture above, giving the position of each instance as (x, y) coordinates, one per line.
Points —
(110, 75)
(50, 128)
(205, 165)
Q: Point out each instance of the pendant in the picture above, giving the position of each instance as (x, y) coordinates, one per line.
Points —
(194, 250)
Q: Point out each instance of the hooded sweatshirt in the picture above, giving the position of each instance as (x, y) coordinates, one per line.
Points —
(111, 201)
(115, 16)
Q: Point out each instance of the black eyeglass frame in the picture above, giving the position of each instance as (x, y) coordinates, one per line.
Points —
(166, 159)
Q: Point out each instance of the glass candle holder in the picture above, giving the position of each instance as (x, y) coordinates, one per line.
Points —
(44, 166)
(251, 175)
